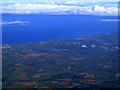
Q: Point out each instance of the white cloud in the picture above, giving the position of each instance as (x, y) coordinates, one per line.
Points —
(14, 22)
(71, 2)
(105, 11)
(59, 9)
(107, 20)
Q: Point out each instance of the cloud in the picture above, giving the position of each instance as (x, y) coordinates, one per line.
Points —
(14, 22)
(71, 2)
(59, 9)
(109, 20)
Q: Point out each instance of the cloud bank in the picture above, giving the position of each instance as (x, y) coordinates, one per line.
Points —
(67, 8)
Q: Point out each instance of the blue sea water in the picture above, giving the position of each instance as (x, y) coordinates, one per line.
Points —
(54, 27)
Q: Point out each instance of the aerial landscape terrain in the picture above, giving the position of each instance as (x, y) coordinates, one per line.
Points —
(59, 44)
(73, 63)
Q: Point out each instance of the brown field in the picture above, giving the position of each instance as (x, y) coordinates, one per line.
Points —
(27, 83)
(60, 49)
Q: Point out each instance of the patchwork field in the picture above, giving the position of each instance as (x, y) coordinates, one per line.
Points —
(73, 63)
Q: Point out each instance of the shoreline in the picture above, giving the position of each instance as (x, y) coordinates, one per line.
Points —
(61, 39)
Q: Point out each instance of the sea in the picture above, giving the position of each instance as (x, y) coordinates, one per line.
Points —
(34, 28)
(33, 22)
